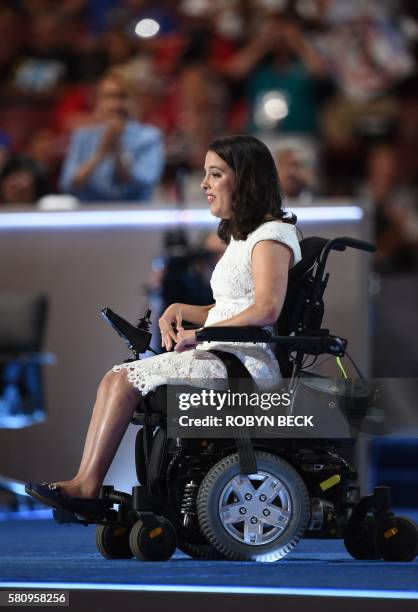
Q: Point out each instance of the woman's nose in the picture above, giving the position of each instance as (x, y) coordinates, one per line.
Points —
(204, 184)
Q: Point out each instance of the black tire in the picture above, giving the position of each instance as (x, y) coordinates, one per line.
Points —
(230, 541)
(399, 543)
(204, 552)
(156, 542)
(360, 542)
(112, 541)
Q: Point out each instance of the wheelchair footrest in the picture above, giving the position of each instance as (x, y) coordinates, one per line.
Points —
(66, 517)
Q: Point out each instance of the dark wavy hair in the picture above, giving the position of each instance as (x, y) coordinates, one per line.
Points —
(256, 197)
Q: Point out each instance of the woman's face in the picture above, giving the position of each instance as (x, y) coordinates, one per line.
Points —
(218, 185)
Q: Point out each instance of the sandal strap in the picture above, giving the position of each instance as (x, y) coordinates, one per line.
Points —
(52, 486)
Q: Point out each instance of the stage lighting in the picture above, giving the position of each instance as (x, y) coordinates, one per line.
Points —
(270, 109)
(147, 28)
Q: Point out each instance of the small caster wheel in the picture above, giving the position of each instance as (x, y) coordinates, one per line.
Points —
(399, 542)
(112, 541)
(360, 542)
(156, 542)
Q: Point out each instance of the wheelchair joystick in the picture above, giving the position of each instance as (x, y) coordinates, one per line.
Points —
(145, 322)
(137, 337)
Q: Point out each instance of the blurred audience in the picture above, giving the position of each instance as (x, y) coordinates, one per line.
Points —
(46, 63)
(21, 181)
(367, 57)
(281, 66)
(395, 206)
(340, 74)
(115, 158)
(297, 165)
(4, 148)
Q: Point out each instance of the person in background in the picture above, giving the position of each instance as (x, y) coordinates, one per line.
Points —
(115, 158)
(47, 62)
(4, 148)
(395, 211)
(279, 59)
(297, 167)
(21, 181)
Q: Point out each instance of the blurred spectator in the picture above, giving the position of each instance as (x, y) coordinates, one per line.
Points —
(182, 272)
(21, 181)
(297, 166)
(4, 148)
(46, 63)
(396, 212)
(12, 36)
(43, 149)
(282, 67)
(115, 158)
(367, 57)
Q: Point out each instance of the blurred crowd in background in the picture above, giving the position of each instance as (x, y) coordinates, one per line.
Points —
(117, 100)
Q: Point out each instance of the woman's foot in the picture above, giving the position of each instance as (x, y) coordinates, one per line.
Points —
(52, 494)
(74, 488)
(49, 493)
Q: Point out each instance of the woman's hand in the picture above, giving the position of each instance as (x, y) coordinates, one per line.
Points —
(186, 340)
(168, 334)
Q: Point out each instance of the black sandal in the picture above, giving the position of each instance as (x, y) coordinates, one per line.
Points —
(52, 495)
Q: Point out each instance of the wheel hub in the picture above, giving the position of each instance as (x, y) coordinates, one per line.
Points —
(255, 509)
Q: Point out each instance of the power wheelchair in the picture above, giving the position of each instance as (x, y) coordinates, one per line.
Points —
(249, 498)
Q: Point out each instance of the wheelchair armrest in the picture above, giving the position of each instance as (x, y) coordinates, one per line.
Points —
(317, 343)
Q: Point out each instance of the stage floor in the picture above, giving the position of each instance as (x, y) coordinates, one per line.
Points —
(41, 551)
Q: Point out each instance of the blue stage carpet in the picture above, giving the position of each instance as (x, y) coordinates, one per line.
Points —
(43, 551)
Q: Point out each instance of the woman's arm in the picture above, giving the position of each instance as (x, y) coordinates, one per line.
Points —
(176, 313)
(193, 314)
(270, 263)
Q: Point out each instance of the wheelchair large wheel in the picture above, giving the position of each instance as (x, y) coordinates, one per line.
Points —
(112, 541)
(154, 542)
(260, 517)
(205, 552)
(400, 542)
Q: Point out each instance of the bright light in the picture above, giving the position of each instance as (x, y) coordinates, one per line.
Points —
(154, 218)
(147, 28)
(270, 109)
(275, 106)
(381, 594)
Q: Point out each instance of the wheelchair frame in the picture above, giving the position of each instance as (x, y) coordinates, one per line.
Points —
(180, 480)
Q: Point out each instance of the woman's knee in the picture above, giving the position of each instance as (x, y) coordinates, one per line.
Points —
(116, 382)
(119, 384)
(107, 382)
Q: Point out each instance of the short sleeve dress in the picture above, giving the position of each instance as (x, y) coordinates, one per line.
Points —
(233, 290)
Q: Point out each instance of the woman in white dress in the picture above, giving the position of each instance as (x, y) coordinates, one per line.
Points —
(249, 286)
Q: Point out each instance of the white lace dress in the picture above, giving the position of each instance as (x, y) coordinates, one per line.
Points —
(233, 291)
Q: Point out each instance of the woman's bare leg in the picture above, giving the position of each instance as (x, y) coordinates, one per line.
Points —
(115, 402)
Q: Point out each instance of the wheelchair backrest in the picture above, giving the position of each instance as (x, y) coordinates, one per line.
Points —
(300, 311)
